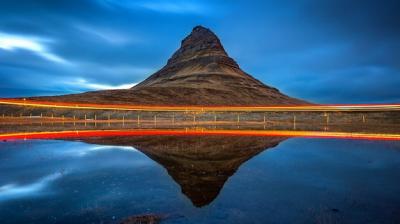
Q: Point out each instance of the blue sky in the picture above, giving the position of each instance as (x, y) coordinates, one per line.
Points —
(333, 51)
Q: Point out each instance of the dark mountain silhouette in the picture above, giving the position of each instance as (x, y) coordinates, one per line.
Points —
(199, 164)
(200, 72)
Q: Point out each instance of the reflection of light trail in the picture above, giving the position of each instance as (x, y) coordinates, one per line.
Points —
(149, 132)
(66, 105)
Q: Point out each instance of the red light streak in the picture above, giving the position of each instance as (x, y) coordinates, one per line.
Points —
(154, 132)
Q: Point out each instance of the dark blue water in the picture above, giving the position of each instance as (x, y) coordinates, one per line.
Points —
(298, 181)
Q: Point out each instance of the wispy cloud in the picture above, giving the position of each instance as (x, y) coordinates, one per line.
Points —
(107, 35)
(86, 85)
(174, 6)
(10, 42)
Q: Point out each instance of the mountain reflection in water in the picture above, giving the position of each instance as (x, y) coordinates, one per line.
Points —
(199, 164)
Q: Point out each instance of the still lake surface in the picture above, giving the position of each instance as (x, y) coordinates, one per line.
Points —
(199, 179)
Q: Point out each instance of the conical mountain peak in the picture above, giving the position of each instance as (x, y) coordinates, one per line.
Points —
(200, 42)
(202, 38)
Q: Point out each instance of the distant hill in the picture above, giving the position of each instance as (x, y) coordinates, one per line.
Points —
(200, 72)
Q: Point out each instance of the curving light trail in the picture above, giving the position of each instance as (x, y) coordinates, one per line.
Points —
(119, 107)
(153, 132)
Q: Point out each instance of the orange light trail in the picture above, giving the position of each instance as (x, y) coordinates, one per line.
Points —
(119, 107)
(155, 132)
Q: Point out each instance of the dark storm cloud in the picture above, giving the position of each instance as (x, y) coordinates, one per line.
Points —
(324, 51)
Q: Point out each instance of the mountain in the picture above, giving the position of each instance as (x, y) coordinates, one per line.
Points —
(200, 72)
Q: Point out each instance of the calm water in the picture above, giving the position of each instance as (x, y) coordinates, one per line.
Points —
(200, 180)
